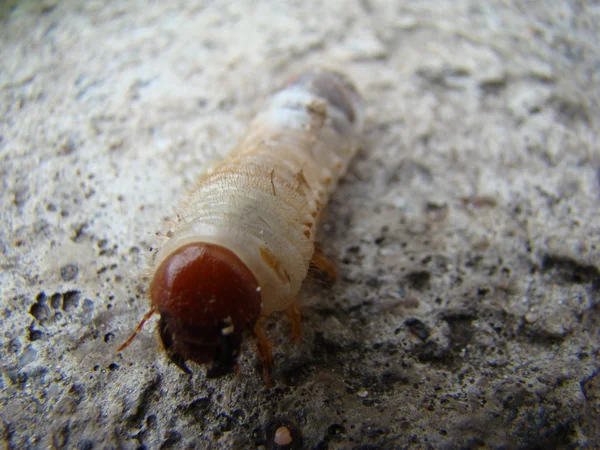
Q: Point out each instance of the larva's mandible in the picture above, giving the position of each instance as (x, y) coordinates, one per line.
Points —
(245, 238)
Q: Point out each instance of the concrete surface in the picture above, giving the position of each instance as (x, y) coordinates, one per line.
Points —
(467, 314)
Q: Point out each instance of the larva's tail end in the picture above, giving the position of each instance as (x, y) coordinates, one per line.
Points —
(337, 89)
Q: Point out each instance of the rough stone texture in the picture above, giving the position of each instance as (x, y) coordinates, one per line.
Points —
(467, 313)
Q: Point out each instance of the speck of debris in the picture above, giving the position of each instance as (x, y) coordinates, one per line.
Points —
(69, 272)
(417, 328)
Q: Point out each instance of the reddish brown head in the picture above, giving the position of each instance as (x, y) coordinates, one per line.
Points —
(206, 297)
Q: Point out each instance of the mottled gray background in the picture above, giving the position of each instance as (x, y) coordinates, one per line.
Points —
(467, 313)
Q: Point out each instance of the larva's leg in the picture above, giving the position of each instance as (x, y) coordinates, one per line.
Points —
(324, 266)
(294, 312)
(265, 351)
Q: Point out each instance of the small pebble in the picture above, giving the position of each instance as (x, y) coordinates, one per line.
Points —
(69, 272)
(283, 436)
(363, 393)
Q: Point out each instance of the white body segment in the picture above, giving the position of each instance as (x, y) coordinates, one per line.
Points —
(263, 202)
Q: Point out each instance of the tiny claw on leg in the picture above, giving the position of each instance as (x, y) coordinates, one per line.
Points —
(294, 312)
(265, 351)
(324, 266)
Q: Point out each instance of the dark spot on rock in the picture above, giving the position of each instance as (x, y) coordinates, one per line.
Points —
(418, 279)
(224, 424)
(373, 282)
(142, 403)
(226, 103)
(88, 306)
(79, 233)
(391, 377)
(61, 436)
(40, 311)
(238, 414)
(85, 445)
(460, 335)
(198, 409)
(372, 432)
(335, 429)
(417, 328)
(55, 300)
(14, 346)
(293, 371)
(409, 170)
(67, 146)
(568, 271)
(473, 261)
(492, 87)
(20, 196)
(172, 437)
(108, 251)
(461, 329)
(76, 391)
(40, 226)
(109, 337)
(475, 442)
(69, 272)
(35, 335)
(112, 367)
(70, 300)
(46, 8)
(151, 421)
(436, 212)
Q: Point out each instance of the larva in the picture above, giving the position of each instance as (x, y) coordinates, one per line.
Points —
(244, 240)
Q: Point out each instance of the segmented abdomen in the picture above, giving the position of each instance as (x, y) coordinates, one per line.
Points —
(264, 201)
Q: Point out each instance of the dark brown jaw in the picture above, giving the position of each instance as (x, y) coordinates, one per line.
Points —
(167, 342)
(221, 352)
(225, 355)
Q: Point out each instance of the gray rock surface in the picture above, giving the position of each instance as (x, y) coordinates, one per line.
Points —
(467, 313)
